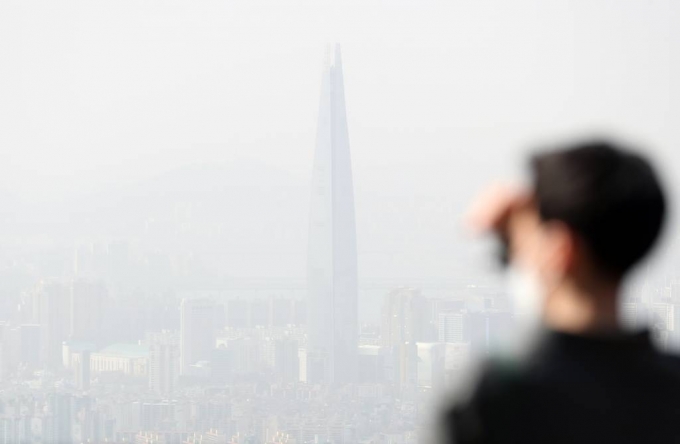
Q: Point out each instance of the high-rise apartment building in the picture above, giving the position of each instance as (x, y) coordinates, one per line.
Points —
(286, 360)
(404, 317)
(52, 311)
(487, 331)
(59, 419)
(83, 371)
(87, 310)
(238, 315)
(451, 327)
(164, 359)
(198, 332)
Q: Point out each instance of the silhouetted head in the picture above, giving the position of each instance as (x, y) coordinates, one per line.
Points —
(608, 200)
(593, 211)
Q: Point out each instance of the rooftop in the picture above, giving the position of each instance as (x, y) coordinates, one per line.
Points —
(125, 350)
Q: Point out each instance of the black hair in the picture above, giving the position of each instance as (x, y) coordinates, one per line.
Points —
(610, 196)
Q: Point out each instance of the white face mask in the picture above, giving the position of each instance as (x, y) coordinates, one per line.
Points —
(526, 293)
(527, 297)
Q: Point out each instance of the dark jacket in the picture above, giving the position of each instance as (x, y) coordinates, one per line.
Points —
(574, 389)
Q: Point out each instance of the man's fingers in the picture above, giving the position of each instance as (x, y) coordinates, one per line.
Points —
(492, 208)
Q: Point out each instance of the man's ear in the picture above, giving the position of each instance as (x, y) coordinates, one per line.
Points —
(561, 252)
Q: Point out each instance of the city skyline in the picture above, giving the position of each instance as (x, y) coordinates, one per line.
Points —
(213, 232)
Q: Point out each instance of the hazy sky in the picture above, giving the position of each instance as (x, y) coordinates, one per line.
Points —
(99, 89)
(441, 95)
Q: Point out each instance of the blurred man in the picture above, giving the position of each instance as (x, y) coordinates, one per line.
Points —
(592, 213)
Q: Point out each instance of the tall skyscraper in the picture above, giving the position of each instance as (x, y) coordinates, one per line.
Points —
(198, 332)
(332, 255)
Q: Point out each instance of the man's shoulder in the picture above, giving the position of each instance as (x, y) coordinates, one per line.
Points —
(667, 367)
(494, 379)
(669, 361)
(506, 390)
(502, 375)
(496, 390)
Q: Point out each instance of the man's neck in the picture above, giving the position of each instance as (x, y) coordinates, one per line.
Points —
(583, 309)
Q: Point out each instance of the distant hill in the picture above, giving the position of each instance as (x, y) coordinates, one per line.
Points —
(242, 203)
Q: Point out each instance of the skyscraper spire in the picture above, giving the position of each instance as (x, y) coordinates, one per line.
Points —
(332, 254)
